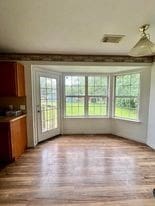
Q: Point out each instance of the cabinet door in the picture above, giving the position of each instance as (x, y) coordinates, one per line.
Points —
(20, 80)
(18, 137)
(12, 81)
(7, 79)
(5, 143)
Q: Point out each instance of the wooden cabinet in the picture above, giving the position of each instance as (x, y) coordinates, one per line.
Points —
(13, 138)
(5, 143)
(12, 81)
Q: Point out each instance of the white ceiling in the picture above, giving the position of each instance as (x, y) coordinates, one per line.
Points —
(72, 26)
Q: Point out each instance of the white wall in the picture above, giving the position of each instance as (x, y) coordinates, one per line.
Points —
(151, 122)
(86, 126)
(131, 130)
(136, 130)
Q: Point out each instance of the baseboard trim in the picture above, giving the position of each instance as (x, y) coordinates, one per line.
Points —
(132, 139)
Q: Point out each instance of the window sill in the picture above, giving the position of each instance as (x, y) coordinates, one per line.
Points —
(90, 117)
(105, 117)
(128, 120)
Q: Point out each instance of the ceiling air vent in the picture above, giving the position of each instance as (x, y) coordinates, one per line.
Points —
(110, 38)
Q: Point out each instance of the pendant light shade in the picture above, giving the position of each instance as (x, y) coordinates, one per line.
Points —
(144, 47)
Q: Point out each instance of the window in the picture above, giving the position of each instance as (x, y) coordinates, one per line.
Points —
(86, 95)
(75, 95)
(127, 91)
(48, 97)
(97, 95)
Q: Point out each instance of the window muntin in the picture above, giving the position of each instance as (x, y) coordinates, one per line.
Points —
(48, 98)
(127, 91)
(97, 106)
(74, 95)
(75, 106)
(97, 85)
(74, 85)
(86, 95)
(97, 95)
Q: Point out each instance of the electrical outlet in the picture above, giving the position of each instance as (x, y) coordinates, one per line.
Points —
(22, 107)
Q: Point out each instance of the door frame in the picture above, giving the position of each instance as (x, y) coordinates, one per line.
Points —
(35, 70)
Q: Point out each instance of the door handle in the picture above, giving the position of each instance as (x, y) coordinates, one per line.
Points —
(38, 108)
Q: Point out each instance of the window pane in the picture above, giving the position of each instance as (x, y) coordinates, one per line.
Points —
(49, 83)
(74, 85)
(48, 95)
(126, 108)
(97, 106)
(127, 85)
(42, 82)
(127, 90)
(97, 85)
(135, 79)
(74, 106)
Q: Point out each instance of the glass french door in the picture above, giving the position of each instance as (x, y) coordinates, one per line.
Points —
(48, 107)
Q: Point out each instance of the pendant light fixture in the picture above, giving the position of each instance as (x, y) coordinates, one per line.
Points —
(144, 47)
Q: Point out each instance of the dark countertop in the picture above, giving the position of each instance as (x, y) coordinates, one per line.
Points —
(10, 119)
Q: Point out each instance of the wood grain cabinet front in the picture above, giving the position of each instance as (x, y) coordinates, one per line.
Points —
(12, 80)
(5, 143)
(13, 139)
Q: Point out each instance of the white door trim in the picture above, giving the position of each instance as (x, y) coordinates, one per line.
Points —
(35, 69)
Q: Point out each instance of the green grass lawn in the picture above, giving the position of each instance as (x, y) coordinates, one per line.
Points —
(126, 113)
(97, 110)
(77, 109)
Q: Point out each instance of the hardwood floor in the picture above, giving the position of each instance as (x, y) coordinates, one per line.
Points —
(81, 170)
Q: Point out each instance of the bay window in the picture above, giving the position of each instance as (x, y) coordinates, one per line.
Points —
(86, 95)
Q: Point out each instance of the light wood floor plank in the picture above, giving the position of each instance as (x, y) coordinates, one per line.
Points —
(81, 170)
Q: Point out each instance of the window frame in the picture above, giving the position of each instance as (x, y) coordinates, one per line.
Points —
(138, 97)
(86, 96)
(72, 96)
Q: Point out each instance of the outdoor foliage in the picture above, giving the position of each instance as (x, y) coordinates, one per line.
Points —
(127, 90)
